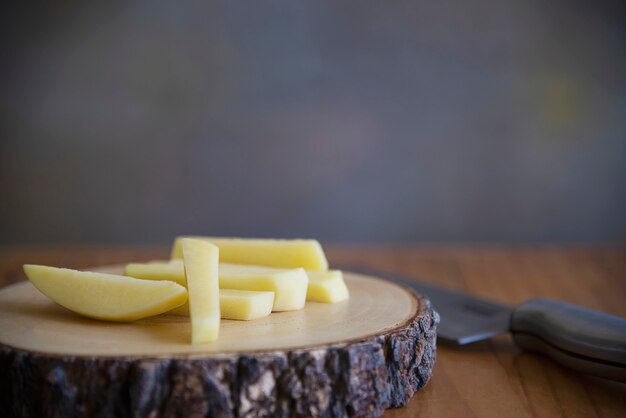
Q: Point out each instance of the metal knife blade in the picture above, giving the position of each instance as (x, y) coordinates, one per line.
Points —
(464, 318)
(582, 339)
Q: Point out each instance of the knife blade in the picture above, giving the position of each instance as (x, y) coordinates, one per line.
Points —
(588, 341)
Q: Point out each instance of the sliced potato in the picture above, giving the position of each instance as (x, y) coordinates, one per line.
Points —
(106, 296)
(289, 285)
(283, 253)
(242, 305)
(327, 287)
(201, 260)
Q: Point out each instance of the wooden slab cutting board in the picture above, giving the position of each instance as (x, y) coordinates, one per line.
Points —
(353, 358)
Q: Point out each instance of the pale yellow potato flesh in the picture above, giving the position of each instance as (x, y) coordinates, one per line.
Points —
(173, 270)
(282, 253)
(289, 285)
(241, 305)
(245, 305)
(326, 286)
(201, 261)
(104, 296)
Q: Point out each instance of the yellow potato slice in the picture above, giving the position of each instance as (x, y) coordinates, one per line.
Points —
(245, 305)
(326, 287)
(282, 253)
(173, 270)
(289, 285)
(106, 296)
(201, 260)
(241, 305)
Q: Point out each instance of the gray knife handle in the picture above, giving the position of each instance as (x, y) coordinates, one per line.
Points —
(588, 341)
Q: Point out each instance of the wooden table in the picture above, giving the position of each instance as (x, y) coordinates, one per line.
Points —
(487, 379)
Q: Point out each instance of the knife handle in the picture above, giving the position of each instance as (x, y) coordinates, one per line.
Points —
(582, 339)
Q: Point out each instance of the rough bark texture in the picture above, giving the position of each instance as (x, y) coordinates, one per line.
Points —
(355, 379)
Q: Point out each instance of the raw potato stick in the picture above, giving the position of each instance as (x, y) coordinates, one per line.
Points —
(326, 287)
(242, 305)
(289, 285)
(282, 253)
(201, 261)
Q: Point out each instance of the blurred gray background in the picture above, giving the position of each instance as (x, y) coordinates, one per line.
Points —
(469, 121)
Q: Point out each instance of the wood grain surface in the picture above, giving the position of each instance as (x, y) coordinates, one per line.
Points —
(487, 379)
(30, 321)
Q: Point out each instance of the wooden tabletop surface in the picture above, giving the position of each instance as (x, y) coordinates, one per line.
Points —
(487, 379)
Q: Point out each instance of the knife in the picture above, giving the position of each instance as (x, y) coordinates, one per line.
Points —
(579, 338)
